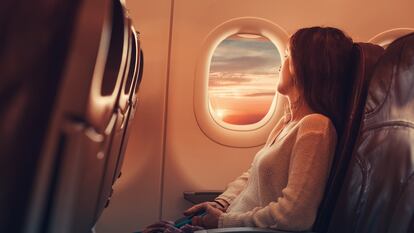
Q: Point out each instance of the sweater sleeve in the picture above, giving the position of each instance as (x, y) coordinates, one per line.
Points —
(233, 189)
(296, 209)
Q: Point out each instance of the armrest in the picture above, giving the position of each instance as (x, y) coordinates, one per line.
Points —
(244, 230)
(197, 197)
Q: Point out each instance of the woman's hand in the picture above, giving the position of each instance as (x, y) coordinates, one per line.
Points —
(192, 210)
(210, 220)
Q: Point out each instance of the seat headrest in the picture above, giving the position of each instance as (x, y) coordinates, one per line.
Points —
(391, 92)
(366, 56)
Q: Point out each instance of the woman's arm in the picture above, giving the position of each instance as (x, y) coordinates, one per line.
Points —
(233, 190)
(296, 209)
(223, 201)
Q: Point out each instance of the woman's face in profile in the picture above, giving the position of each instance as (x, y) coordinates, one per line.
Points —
(286, 76)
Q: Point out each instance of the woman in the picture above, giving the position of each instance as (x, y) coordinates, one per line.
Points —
(285, 183)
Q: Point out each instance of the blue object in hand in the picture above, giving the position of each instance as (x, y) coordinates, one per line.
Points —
(187, 220)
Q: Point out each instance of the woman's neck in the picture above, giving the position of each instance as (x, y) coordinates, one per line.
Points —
(298, 108)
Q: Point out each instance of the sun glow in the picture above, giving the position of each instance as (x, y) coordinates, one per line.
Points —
(220, 113)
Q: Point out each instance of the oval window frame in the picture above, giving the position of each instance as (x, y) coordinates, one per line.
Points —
(240, 136)
(385, 38)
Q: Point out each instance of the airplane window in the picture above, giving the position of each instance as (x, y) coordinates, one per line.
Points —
(243, 75)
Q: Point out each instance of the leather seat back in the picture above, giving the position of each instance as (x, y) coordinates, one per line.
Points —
(57, 111)
(133, 100)
(125, 110)
(32, 60)
(378, 191)
(365, 57)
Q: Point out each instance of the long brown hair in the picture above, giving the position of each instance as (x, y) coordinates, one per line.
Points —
(321, 58)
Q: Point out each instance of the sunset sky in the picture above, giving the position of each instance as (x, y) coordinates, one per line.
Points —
(243, 79)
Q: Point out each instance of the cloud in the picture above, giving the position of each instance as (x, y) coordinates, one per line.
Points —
(246, 94)
(219, 79)
(259, 94)
(244, 55)
(240, 80)
(250, 64)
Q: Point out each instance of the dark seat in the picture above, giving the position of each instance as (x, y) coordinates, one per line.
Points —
(366, 57)
(139, 70)
(58, 110)
(125, 111)
(378, 191)
(30, 75)
(133, 101)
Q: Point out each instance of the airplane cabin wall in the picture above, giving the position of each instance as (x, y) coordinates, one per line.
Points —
(153, 177)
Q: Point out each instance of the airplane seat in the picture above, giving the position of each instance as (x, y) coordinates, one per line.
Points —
(29, 78)
(125, 110)
(365, 56)
(57, 110)
(138, 73)
(86, 134)
(121, 107)
(378, 190)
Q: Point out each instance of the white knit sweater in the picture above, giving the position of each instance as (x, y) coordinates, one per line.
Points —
(285, 183)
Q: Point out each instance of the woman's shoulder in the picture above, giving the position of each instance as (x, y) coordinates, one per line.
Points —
(316, 123)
